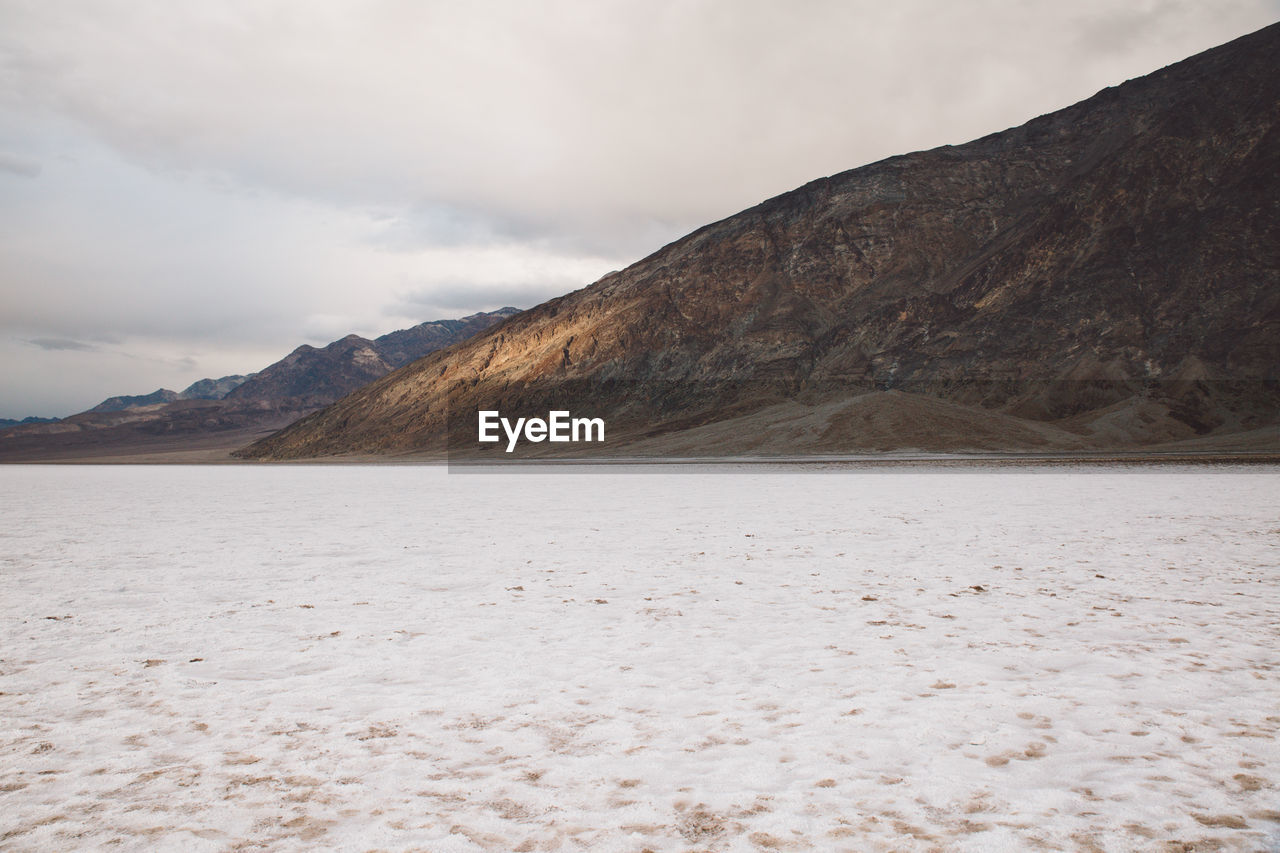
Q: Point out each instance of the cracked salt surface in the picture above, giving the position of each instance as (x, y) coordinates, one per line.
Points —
(398, 658)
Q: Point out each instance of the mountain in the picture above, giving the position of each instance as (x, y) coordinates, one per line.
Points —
(220, 414)
(309, 376)
(312, 377)
(406, 345)
(212, 389)
(204, 389)
(5, 423)
(315, 376)
(119, 404)
(1103, 277)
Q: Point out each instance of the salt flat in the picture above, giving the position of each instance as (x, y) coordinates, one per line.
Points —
(753, 658)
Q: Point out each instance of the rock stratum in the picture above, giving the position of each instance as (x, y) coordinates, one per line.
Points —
(1102, 278)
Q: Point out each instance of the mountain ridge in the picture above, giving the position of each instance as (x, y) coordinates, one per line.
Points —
(1122, 251)
(305, 379)
(201, 389)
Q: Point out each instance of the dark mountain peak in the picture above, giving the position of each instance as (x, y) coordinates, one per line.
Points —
(500, 313)
(5, 423)
(309, 376)
(312, 376)
(403, 346)
(212, 389)
(119, 404)
(204, 389)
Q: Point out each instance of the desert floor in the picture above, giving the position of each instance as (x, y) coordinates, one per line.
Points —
(631, 658)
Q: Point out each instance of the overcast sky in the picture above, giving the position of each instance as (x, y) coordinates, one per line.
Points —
(192, 189)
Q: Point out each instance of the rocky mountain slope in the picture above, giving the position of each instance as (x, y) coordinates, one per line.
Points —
(315, 376)
(406, 345)
(238, 407)
(1111, 271)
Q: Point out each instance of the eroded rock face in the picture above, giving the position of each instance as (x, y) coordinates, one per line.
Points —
(1123, 252)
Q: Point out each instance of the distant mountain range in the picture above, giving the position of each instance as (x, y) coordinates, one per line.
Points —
(228, 411)
(1103, 278)
(5, 423)
(204, 389)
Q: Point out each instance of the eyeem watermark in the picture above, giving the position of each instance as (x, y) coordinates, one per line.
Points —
(558, 427)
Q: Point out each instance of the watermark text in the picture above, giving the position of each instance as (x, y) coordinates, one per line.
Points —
(558, 426)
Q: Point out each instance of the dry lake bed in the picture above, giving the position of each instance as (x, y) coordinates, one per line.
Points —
(650, 658)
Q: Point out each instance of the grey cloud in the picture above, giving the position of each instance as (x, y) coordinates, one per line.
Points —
(432, 224)
(56, 344)
(424, 225)
(20, 166)
(469, 297)
(564, 119)
(61, 344)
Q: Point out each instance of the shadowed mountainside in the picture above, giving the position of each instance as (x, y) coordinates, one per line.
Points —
(1106, 276)
(5, 423)
(203, 389)
(229, 411)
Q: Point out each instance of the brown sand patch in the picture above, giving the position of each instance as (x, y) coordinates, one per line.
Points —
(1230, 821)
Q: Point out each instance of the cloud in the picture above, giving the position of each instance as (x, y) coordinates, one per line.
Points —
(23, 167)
(568, 120)
(61, 344)
(473, 296)
(456, 280)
